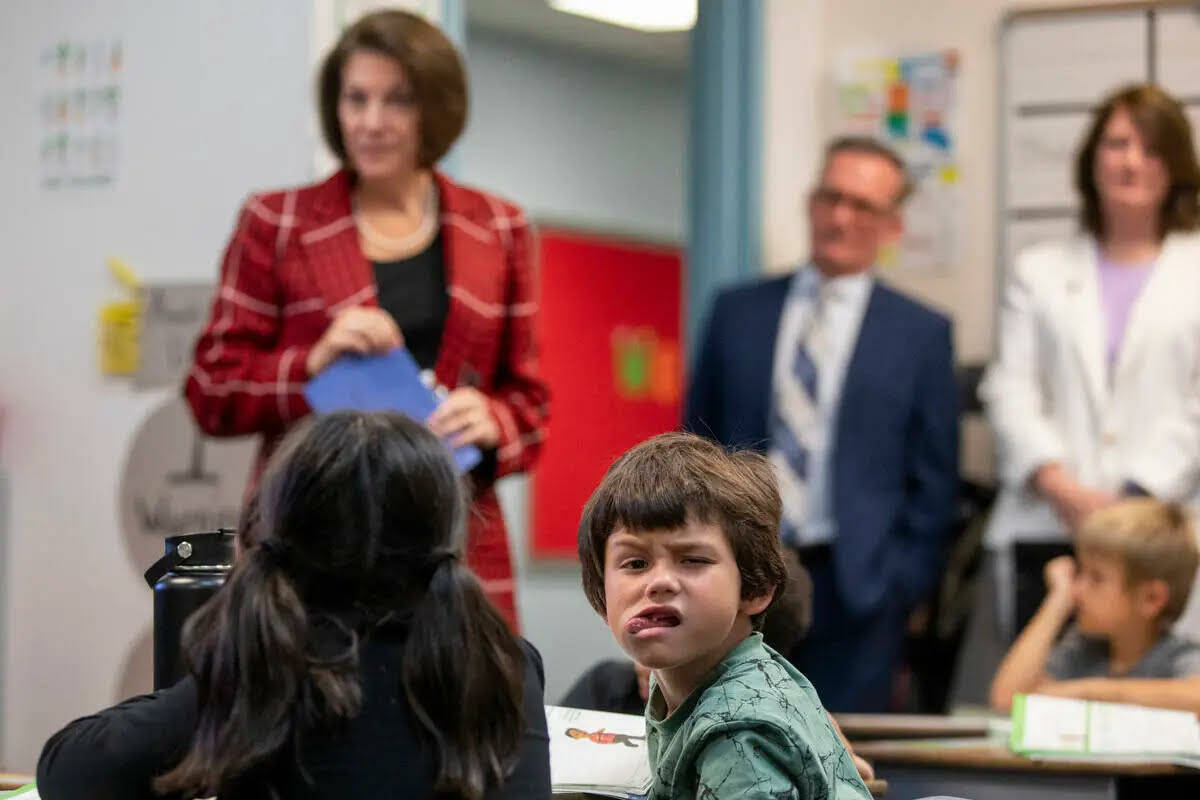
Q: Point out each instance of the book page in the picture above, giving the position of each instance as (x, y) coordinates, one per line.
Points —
(1062, 725)
(1116, 728)
(1051, 724)
(597, 749)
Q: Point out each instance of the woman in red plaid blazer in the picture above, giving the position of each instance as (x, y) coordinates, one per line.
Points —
(385, 252)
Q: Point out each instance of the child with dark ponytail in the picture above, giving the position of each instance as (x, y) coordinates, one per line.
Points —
(350, 654)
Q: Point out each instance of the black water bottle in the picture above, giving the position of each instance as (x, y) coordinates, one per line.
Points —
(192, 570)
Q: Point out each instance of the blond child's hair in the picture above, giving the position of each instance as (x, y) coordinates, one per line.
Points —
(1152, 539)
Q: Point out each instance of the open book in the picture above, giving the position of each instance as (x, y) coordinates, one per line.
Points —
(1088, 730)
(598, 753)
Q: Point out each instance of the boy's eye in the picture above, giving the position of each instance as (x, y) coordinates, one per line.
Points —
(633, 563)
(696, 560)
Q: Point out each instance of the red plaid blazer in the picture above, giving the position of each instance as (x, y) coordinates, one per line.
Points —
(294, 261)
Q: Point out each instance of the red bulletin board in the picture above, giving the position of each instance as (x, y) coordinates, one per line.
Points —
(609, 329)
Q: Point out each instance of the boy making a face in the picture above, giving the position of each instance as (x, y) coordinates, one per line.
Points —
(681, 556)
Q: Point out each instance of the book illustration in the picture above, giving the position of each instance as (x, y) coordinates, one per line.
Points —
(602, 736)
(619, 768)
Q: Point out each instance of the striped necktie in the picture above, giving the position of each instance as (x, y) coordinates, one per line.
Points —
(794, 416)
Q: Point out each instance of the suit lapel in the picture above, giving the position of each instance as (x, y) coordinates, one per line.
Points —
(1084, 321)
(329, 240)
(1155, 294)
(868, 346)
(474, 257)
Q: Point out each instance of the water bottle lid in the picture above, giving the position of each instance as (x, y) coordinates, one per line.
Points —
(210, 551)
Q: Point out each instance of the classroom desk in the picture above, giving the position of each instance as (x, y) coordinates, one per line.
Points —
(984, 769)
(11, 780)
(878, 788)
(859, 727)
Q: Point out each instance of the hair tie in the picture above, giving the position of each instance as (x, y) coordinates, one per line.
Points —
(437, 558)
(273, 551)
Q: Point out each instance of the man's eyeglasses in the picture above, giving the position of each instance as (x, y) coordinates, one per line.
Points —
(832, 198)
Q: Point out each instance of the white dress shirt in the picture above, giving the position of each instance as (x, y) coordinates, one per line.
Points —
(846, 302)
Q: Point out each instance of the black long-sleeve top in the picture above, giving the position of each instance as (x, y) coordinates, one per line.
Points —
(114, 755)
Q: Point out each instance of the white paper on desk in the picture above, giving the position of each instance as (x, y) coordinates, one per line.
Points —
(1054, 724)
(598, 752)
(1117, 728)
(29, 792)
(1087, 727)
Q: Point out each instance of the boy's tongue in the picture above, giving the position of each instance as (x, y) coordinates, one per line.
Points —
(647, 621)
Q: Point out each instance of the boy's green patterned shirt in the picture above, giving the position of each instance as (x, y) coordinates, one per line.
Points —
(754, 730)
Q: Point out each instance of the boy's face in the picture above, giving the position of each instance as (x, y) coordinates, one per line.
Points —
(673, 597)
(1105, 603)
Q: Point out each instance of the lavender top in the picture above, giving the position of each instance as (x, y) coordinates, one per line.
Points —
(1120, 285)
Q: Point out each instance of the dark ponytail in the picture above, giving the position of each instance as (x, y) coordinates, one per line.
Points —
(358, 523)
(255, 676)
(463, 676)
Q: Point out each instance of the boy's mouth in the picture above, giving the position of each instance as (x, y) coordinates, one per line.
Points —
(653, 618)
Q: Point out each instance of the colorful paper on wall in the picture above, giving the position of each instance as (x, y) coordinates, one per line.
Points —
(80, 84)
(911, 102)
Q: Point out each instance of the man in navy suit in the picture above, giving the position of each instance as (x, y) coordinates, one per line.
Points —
(849, 388)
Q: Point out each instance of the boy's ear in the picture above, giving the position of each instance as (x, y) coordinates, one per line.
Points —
(1151, 598)
(756, 605)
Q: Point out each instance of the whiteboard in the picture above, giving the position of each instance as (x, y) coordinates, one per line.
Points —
(1177, 61)
(1056, 65)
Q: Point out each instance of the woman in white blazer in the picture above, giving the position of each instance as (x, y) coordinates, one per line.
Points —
(1095, 388)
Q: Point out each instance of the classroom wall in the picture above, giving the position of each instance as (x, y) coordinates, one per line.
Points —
(586, 141)
(575, 138)
(215, 102)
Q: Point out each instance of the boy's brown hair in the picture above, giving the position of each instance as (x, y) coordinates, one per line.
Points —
(1152, 539)
(675, 478)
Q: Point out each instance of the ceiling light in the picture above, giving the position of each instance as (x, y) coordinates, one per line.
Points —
(651, 16)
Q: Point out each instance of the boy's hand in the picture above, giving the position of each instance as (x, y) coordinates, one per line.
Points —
(1060, 578)
(865, 771)
(1081, 689)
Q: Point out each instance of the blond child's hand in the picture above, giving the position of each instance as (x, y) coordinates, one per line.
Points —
(1060, 577)
(1081, 688)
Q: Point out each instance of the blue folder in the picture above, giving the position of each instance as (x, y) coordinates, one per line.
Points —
(390, 382)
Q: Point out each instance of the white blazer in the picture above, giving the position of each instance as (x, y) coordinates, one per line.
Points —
(1050, 397)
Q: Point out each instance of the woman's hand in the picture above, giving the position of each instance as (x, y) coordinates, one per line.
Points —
(1072, 500)
(465, 417)
(361, 330)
